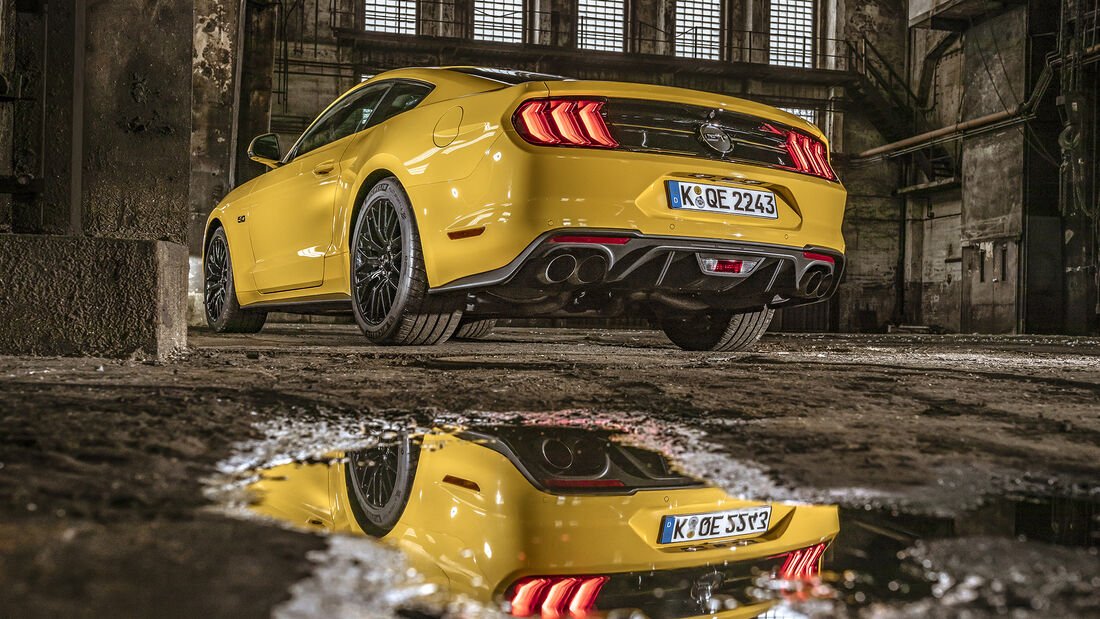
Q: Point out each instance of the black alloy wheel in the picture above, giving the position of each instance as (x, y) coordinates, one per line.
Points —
(223, 313)
(216, 275)
(389, 282)
(378, 261)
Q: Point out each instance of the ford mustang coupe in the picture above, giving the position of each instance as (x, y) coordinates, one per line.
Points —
(430, 202)
(559, 522)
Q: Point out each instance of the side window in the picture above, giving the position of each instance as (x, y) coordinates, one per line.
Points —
(403, 97)
(345, 118)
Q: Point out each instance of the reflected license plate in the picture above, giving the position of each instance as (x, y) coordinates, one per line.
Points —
(715, 525)
(722, 199)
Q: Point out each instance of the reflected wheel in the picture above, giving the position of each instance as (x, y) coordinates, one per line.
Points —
(379, 483)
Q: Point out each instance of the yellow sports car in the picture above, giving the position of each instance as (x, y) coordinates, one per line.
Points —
(432, 201)
(558, 522)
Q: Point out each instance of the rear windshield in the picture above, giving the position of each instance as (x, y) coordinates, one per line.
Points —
(508, 76)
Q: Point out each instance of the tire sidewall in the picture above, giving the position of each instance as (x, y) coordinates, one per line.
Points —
(388, 189)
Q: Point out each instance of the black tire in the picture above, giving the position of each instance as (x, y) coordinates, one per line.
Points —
(389, 286)
(717, 330)
(380, 482)
(474, 329)
(223, 313)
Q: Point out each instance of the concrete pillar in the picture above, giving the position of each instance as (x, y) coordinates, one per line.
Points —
(109, 225)
(254, 100)
(213, 98)
(652, 27)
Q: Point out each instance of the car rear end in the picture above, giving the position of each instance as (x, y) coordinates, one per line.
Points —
(612, 526)
(663, 192)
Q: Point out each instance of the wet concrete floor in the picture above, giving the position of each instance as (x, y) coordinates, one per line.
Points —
(826, 476)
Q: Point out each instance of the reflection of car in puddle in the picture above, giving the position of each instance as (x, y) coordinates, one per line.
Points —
(559, 522)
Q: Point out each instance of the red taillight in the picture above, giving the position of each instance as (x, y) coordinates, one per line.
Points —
(822, 257)
(563, 122)
(601, 240)
(556, 596)
(809, 155)
(584, 483)
(802, 563)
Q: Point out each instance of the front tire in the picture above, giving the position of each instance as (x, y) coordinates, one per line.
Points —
(389, 284)
(717, 330)
(223, 313)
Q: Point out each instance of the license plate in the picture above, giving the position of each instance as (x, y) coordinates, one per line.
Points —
(715, 525)
(722, 199)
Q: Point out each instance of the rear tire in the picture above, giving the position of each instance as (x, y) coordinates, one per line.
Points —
(474, 329)
(717, 330)
(223, 313)
(389, 285)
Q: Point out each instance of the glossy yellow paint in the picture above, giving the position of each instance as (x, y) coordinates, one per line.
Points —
(476, 543)
(463, 166)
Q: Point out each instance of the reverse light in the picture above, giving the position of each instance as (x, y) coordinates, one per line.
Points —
(563, 122)
(556, 596)
(809, 155)
(802, 564)
(717, 265)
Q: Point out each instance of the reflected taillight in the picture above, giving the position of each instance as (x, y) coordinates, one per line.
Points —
(808, 155)
(563, 122)
(556, 596)
(801, 564)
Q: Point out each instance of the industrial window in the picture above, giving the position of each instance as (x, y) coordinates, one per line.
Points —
(697, 28)
(791, 33)
(397, 16)
(498, 20)
(806, 113)
(600, 24)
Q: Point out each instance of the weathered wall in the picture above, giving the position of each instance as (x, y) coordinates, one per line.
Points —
(964, 273)
(868, 298)
(137, 119)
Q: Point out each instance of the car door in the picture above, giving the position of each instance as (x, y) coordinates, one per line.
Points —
(292, 208)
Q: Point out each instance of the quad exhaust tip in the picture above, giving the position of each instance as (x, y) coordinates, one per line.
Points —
(589, 271)
(566, 267)
(816, 282)
(558, 269)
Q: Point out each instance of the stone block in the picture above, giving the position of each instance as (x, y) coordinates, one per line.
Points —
(66, 295)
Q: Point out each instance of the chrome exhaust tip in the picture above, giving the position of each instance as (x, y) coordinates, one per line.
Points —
(589, 271)
(558, 269)
(811, 282)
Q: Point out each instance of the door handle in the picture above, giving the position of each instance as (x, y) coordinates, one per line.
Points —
(324, 168)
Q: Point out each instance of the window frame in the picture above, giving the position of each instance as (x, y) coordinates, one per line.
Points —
(293, 153)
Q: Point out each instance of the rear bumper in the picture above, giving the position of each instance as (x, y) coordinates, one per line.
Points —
(665, 269)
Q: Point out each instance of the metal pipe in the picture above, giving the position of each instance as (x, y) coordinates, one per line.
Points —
(932, 135)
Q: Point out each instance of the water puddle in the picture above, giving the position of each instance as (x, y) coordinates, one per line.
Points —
(565, 521)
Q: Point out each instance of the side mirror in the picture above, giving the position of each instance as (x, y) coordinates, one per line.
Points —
(265, 149)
